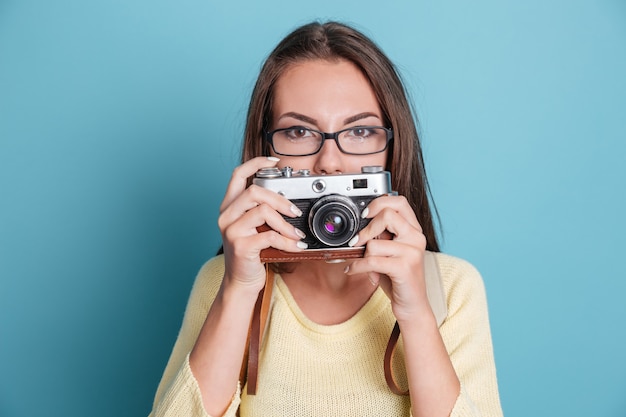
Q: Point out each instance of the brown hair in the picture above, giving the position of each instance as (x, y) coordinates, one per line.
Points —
(333, 41)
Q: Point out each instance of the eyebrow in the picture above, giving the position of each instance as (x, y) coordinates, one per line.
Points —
(359, 116)
(312, 121)
(299, 116)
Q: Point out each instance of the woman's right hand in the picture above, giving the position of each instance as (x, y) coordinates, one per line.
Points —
(216, 357)
(242, 211)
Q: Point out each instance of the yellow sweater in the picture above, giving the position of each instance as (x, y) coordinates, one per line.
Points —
(308, 369)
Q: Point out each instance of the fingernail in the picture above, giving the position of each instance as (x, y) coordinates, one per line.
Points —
(300, 233)
(295, 210)
(346, 269)
(302, 245)
(365, 212)
(273, 159)
(353, 241)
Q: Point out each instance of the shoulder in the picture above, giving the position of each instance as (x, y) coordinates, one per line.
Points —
(462, 283)
(207, 282)
(451, 266)
(212, 268)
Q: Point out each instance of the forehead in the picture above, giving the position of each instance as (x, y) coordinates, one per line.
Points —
(320, 88)
(339, 72)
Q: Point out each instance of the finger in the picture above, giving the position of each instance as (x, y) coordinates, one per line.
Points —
(252, 197)
(402, 274)
(253, 245)
(388, 258)
(249, 223)
(397, 203)
(392, 249)
(391, 221)
(250, 247)
(239, 179)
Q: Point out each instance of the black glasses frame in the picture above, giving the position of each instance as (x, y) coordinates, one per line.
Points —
(325, 136)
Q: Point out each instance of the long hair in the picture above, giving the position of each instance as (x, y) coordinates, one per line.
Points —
(334, 41)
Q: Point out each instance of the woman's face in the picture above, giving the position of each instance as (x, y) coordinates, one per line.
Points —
(326, 96)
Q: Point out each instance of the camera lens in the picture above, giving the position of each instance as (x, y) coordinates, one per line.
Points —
(333, 220)
(334, 224)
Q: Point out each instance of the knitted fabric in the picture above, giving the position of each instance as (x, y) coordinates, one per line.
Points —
(308, 369)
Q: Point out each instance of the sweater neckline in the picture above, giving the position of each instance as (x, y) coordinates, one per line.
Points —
(371, 310)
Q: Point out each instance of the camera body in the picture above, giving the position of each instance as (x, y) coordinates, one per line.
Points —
(331, 204)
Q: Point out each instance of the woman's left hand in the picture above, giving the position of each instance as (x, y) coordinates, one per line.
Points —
(397, 265)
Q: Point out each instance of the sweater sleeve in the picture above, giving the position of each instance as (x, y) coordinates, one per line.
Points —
(467, 336)
(178, 393)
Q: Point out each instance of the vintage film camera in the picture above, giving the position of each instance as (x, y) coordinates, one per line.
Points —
(331, 204)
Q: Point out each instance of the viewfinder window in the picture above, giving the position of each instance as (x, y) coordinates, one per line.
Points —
(359, 183)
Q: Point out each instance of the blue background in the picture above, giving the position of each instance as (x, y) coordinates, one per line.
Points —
(120, 122)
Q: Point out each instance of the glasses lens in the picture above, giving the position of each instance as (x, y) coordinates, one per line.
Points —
(296, 141)
(359, 140)
(363, 140)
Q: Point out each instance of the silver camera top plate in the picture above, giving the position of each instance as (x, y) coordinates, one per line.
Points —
(294, 185)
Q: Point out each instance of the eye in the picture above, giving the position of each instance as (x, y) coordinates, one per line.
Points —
(360, 133)
(297, 132)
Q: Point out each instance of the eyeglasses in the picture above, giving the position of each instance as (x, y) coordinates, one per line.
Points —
(302, 141)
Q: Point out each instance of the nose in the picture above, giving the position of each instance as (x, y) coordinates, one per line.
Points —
(328, 159)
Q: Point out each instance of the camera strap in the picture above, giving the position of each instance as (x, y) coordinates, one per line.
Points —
(250, 366)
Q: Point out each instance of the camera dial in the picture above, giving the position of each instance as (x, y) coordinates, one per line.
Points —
(318, 186)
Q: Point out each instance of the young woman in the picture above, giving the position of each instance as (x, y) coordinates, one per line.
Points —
(329, 322)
